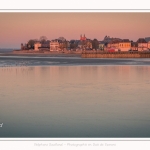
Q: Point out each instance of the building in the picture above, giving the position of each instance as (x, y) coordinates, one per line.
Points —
(134, 46)
(82, 38)
(101, 45)
(113, 44)
(148, 45)
(142, 44)
(37, 45)
(63, 45)
(88, 44)
(54, 45)
(68, 45)
(124, 45)
(74, 44)
(107, 39)
(147, 39)
(82, 42)
(45, 44)
(41, 46)
(22, 47)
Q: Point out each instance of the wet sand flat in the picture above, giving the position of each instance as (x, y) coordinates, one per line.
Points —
(10, 59)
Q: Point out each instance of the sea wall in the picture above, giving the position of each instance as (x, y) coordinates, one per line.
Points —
(115, 55)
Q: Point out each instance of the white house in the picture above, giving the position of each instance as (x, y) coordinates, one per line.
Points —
(113, 44)
(124, 45)
(54, 45)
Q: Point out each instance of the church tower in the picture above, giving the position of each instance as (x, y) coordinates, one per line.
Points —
(82, 38)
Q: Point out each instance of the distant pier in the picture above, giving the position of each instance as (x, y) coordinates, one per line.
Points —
(136, 54)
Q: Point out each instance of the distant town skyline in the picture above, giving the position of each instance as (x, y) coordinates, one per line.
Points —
(16, 28)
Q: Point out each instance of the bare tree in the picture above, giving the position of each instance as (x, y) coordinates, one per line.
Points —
(95, 44)
(62, 39)
(43, 39)
(63, 45)
(31, 43)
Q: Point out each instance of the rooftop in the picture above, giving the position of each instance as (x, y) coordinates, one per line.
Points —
(141, 40)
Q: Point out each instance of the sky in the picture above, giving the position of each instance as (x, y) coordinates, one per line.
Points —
(19, 27)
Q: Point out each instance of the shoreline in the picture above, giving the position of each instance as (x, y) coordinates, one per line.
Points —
(77, 54)
(41, 54)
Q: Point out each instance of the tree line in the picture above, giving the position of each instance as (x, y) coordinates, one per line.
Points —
(73, 44)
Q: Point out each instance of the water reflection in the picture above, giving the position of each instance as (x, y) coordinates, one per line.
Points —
(77, 101)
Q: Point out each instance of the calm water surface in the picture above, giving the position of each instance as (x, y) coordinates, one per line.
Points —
(75, 101)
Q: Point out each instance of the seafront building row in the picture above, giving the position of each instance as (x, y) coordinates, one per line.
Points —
(107, 44)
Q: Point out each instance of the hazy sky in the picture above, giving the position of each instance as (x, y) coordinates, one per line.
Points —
(17, 28)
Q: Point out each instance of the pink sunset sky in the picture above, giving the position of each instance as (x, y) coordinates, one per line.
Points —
(17, 28)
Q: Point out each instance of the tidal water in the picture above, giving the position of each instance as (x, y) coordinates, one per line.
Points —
(75, 101)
